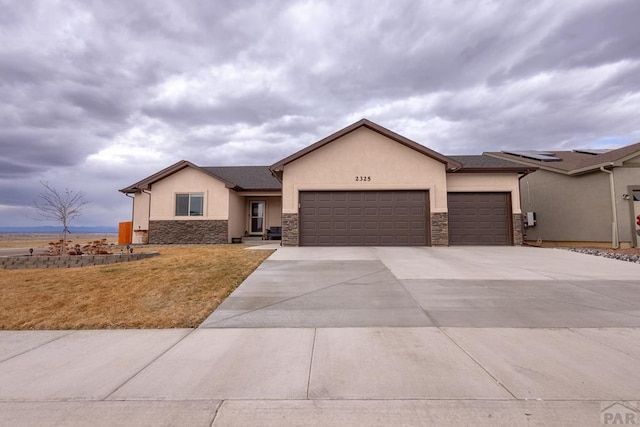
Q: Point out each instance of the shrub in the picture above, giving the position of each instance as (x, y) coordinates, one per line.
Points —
(96, 247)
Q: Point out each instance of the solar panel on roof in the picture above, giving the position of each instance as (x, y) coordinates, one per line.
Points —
(593, 151)
(544, 156)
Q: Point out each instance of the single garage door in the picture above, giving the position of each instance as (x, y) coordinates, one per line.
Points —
(364, 218)
(479, 218)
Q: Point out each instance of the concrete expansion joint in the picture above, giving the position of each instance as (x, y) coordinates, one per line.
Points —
(38, 346)
(602, 342)
(344, 282)
(135, 374)
(313, 348)
(497, 381)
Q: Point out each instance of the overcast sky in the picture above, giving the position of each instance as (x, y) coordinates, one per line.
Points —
(96, 95)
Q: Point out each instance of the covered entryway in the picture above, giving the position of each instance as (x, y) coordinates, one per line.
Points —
(480, 219)
(364, 218)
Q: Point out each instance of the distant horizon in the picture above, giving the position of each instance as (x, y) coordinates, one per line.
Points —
(58, 229)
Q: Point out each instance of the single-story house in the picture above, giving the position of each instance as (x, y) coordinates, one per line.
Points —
(588, 197)
(363, 185)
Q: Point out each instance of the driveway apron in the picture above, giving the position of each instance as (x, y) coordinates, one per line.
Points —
(358, 336)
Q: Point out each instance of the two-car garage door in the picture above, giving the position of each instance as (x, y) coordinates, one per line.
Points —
(364, 218)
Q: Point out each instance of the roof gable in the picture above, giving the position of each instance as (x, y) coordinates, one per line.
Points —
(145, 183)
(450, 163)
(237, 178)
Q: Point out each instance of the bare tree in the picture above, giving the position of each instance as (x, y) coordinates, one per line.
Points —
(53, 205)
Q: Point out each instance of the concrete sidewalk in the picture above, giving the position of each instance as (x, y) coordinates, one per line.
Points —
(364, 336)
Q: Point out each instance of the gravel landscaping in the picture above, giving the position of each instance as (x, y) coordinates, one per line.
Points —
(629, 254)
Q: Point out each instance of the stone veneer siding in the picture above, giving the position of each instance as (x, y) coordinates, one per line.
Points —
(517, 229)
(440, 229)
(75, 261)
(290, 229)
(188, 232)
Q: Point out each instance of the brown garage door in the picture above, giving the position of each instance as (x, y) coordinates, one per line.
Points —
(479, 219)
(364, 218)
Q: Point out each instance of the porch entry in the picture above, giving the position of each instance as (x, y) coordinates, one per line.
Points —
(256, 220)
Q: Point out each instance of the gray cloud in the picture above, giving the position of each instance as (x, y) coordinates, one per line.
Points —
(97, 95)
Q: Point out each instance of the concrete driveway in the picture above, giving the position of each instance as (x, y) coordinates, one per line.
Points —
(362, 336)
(448, 287)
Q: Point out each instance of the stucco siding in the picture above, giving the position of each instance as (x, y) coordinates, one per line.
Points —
(364, 160)
(487, 182)
(141, 211)
(274, 212)
(237, 215)
(568, 208)
(189, 180)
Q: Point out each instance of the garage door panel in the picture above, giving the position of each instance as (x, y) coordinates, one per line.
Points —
(386, 225)
(401, 211)
(479, 219)
(371, 225)
(417, 211)
(340, 225)
(341, 240)
(357, 218)
(323, 212)
(385, 211)
(387, 241)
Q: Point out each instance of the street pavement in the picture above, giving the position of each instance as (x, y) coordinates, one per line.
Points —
(359, 336)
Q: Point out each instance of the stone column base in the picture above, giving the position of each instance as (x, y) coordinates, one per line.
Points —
(440, 229)
(517, 229)
(290, 229)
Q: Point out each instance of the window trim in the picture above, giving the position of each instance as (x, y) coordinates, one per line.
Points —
(190, 198)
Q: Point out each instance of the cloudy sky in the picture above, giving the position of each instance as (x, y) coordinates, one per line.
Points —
(96, 95)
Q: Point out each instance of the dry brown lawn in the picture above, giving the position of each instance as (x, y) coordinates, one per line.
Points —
(177, 289)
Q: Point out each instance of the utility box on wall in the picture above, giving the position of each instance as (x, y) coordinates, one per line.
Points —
(529, 219)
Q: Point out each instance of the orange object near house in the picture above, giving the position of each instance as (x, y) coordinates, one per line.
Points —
(125, 230)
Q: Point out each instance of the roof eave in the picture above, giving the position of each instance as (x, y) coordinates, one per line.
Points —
(495, 170)
(537, 165)
(450, 163)
(260, 189)
(594, 168)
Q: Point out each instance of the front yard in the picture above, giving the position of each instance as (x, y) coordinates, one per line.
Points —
(177, 289)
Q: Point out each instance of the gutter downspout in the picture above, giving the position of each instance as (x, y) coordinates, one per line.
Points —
(133, 214)
(149, 213)
(615, 242)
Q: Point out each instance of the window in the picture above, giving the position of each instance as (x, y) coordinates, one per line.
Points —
(189, 204)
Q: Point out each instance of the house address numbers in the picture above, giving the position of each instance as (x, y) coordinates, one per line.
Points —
(362, 178)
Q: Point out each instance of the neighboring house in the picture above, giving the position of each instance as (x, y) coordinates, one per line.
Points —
(584, 197)
(362, 186)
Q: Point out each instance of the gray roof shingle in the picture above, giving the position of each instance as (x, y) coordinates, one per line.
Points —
(486, 162)
(247, 177)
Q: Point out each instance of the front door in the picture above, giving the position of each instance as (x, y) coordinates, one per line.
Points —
(256, 218)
